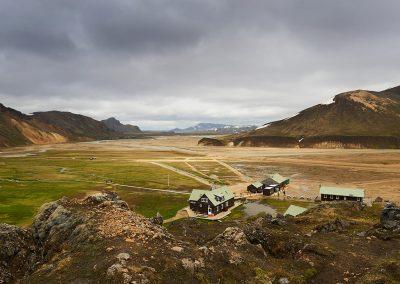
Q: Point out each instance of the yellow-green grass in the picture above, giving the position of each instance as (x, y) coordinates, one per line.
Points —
(19, 201)
(225, 175)
(149, 203)
(28, 182)
(184, 167)
(236, 213)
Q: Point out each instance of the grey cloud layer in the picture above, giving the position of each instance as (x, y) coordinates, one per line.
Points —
(166, 63)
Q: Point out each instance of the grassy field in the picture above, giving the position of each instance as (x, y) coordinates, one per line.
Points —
(212, 178)
(28, 182)
(214, 169)
(149, 203)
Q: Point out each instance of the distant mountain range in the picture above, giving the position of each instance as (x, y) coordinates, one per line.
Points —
(18, 129)
(355, 119)
(213, 128)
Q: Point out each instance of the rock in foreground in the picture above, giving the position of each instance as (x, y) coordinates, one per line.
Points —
(99, 240)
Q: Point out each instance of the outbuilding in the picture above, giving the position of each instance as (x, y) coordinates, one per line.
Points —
(294, 210)
(329, 193)
(211, 202)
(256, 187)
(274, 183)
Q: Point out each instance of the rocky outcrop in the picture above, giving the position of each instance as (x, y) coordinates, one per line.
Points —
(389, 226)
(157, 220)
(115, 125)
(99, 240)
(266, 141)
(334, 226)
(210, 142)
(96, 239)
(18, 253)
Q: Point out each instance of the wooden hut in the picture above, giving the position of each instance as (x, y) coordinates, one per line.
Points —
(274, 183)
(256, 187)
(211, 202)
(329, 193)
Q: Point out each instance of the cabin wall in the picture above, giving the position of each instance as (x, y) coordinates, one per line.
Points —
(330, 197)
(219, 209)
(202, 207)
(251, 188)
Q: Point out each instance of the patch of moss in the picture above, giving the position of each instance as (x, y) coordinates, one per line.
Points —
(309, 273)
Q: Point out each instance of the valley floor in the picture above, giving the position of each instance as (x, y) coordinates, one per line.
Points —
(158, 174)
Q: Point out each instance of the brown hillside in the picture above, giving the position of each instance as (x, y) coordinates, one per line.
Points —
(353, 120)
(18, 129)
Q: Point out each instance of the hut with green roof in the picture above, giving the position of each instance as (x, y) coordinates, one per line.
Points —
(270, 185)
(330, 193)
(274, 183)
(256, 187)
(211, 202)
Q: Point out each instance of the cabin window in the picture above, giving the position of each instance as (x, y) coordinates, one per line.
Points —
(226, 203)
(204, 199)
(345, 198)
(331, 196)
(337, 197)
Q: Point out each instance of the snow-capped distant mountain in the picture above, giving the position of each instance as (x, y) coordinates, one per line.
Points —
(216, 128)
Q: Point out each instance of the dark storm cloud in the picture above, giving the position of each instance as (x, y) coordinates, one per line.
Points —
(172, 63)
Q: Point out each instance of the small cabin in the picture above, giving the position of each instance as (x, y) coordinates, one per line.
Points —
(211, 202)
(329, 193)
(256, 187)
(274, 183)
(294, 210)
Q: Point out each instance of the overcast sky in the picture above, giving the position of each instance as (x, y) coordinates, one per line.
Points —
(165, 64)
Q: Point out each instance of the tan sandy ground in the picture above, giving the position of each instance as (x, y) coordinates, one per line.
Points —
(377, 171)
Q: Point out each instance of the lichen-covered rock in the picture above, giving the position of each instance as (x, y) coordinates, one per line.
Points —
(231, 236)
(157, 220)
(390, 217)
(337, 225)
(109, 197)
(18, 253)
(389, 226)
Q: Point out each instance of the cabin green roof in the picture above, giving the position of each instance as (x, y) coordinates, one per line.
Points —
(341, 191)
(212, 194)
(278, 178)
(257, 184)
(294, 210)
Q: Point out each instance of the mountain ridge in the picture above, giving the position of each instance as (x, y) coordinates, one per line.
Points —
(361, 114)
(214, 128)
(114, 124)
(49, 127)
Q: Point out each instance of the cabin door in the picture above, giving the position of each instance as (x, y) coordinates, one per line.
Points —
(209, 210)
